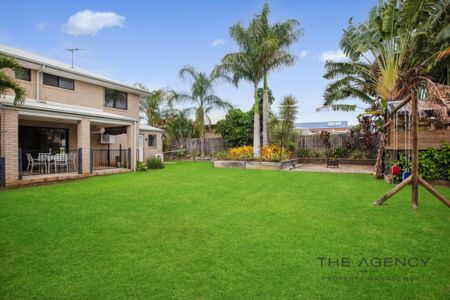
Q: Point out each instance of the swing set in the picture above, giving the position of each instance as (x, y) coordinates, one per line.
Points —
(396, 170)
(411, 174)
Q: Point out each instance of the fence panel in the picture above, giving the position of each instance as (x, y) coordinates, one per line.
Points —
(212, 145)
(311, 142)
(314, 142)
(107, 159)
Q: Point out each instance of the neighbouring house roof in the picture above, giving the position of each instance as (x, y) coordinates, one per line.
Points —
(37, 62)
(31, 106)
(149, 128)
(322, 125)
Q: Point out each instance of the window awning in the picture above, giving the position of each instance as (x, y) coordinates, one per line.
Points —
(116, 130)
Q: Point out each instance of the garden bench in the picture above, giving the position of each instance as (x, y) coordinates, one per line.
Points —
(332, 163)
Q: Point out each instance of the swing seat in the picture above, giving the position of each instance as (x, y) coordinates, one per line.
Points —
(405, 175)
(395, 170)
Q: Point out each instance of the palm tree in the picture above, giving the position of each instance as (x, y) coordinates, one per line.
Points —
(401, 36)
(283, 129)
(202, 97)
(245, 64)
(7, 82)
(273, 45)
(158, 106)
(179, 128)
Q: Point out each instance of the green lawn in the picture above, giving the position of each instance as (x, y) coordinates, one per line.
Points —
(191, 231)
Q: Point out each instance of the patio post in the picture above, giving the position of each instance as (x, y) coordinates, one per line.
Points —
(80, 161)
(9, 143)
(19, 160)
(84, 142)
(129, 158)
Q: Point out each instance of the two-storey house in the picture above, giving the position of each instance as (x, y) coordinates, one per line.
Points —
(73, 123)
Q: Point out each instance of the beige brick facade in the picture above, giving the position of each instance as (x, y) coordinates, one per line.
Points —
(81, 112)
(84, 142)
(9, 120)
(148, 150)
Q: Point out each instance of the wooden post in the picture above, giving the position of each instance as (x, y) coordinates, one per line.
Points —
(392, 192)
(415, 151)
(435, 193)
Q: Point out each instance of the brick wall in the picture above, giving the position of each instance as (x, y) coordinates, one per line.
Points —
(85, 94)
(9, 144)
(84, 142)
(150, 151)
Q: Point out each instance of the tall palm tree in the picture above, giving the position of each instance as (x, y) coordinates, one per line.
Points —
(202, 97)
(7, 82)
(246, 64)
(274, 41)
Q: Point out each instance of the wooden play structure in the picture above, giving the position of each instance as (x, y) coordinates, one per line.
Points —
(412, 125)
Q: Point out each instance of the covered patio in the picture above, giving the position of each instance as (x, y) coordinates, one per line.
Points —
(47, 142)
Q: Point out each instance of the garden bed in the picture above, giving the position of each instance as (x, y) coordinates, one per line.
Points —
(254, 164)
(342, 161)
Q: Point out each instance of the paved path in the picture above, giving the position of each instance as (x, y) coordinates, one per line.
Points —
(341, 169)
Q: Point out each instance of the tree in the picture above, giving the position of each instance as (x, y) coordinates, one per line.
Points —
(202, 97)
(236, 129)
(273, 47)
(158, 106)
(179, 129)
(7, 83)
(283, 129)
(403, 37)
(365, 131)
(246, 64)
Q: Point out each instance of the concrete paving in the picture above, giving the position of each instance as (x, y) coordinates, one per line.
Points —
(341, 169)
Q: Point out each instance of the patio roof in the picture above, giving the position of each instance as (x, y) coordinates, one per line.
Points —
(33, 107)
(149, 128)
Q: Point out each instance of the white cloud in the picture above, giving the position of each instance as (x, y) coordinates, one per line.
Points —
(336, 55)
(42, 25)
(88, 22)
(217, 42)
(303, 54)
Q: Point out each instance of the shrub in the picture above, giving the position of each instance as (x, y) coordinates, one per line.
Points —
(155, 163)
(356, 154)
(304, 152)
(268, 153)
(341, 152)
(221, 155)
(272, 153)
(140, 166)
(317, 154)
(241, 153)
(434, 164)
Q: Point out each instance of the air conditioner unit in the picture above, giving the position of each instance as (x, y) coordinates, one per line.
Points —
(160, 156)
(107, 139)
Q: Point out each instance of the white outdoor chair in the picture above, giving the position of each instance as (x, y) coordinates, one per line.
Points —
(72, 161)
(43, 160)
(30, 165)
(60, 162)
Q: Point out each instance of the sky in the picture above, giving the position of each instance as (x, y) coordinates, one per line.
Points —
(149, 41)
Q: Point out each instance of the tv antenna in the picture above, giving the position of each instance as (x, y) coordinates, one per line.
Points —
(72, 50)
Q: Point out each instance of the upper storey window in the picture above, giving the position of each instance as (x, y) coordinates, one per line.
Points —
(24, 74)
(116, 99)
(57, 81)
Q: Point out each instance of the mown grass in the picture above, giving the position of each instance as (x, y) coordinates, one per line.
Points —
(192, 231)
